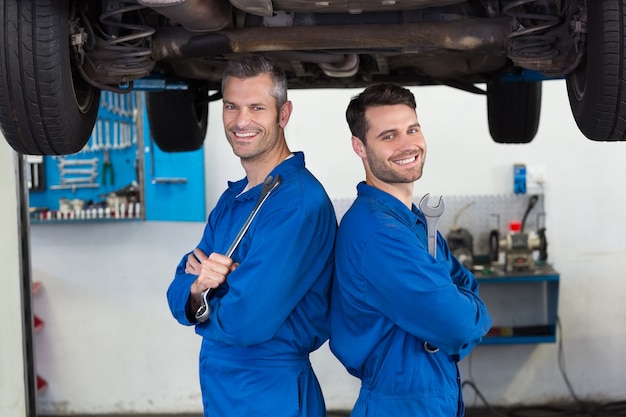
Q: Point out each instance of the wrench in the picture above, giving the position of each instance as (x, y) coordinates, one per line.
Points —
(74, 171)
(269, 185)
(62, 162)
(432, 215)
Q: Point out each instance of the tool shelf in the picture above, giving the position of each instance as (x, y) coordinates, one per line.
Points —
(119, 156)
(522, 304)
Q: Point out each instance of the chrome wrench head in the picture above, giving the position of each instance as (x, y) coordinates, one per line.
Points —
(431, 211)
(432, 214)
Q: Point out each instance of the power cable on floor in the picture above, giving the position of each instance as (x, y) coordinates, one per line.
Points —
(482, 398)
(561, 362)
(581, 409)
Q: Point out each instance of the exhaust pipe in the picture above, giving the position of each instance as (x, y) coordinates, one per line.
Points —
(194, 15)
(459, 35)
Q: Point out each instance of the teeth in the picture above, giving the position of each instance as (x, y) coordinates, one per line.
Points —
(405, 161)
(245, 135)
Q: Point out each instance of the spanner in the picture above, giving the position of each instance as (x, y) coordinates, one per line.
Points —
(432, 215)
(269, 185)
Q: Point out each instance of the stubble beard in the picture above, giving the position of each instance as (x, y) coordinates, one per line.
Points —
(387, 173)
(257, 149)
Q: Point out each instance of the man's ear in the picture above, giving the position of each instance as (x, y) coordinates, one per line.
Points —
(359, 147)
(284, 113)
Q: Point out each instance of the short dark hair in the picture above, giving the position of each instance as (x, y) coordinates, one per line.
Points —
(381, 94)
(252, 66)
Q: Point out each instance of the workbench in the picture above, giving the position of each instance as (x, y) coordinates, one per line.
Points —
(522, 304)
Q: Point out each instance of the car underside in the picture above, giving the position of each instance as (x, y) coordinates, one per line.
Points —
(458, 42)
(176, 50)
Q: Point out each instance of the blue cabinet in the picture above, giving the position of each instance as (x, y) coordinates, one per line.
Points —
(174, 185)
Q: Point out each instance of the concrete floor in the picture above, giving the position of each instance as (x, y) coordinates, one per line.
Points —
(617, 409)
(572, 410)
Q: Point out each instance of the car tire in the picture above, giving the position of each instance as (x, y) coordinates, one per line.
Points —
(46, 108)
(597, 87)
(513, 111)
(178, 118)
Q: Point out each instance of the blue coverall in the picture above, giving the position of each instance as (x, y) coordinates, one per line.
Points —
(393, 305)
(273, 309)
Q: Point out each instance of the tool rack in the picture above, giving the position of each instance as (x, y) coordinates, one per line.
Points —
(523, 304)
(119, 156)
(108, 162)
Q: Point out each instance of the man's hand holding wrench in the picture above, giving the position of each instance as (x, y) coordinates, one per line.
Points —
(219, 266)
(211, 270)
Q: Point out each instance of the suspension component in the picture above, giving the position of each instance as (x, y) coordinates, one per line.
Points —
(115, 52)
(530, 40)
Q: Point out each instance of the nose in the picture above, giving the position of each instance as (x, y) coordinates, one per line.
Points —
(414, 139)
(408, 141)
(242, 118)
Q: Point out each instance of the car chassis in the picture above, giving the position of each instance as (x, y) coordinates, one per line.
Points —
(58, 55)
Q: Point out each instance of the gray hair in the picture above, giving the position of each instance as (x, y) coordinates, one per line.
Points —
(252, 66)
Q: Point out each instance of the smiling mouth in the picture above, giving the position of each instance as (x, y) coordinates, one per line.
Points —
(244, 135)
(405, 161)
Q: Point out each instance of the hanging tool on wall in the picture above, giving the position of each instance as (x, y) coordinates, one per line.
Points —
(532, 201)
(107, 168)
(76, 173)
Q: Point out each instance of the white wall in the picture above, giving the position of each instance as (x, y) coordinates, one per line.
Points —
(110, 345)
(13, 384)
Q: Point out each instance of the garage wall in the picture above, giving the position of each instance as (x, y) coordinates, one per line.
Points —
(110, 345)
(14, 385)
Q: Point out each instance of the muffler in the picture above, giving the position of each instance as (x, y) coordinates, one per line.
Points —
(194, 15)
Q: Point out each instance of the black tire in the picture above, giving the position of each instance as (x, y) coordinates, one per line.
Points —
(46, 108)
(513, 111)
(597, 87)
(178, 118)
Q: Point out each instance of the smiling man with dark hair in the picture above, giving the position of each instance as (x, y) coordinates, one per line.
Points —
(401, 318)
